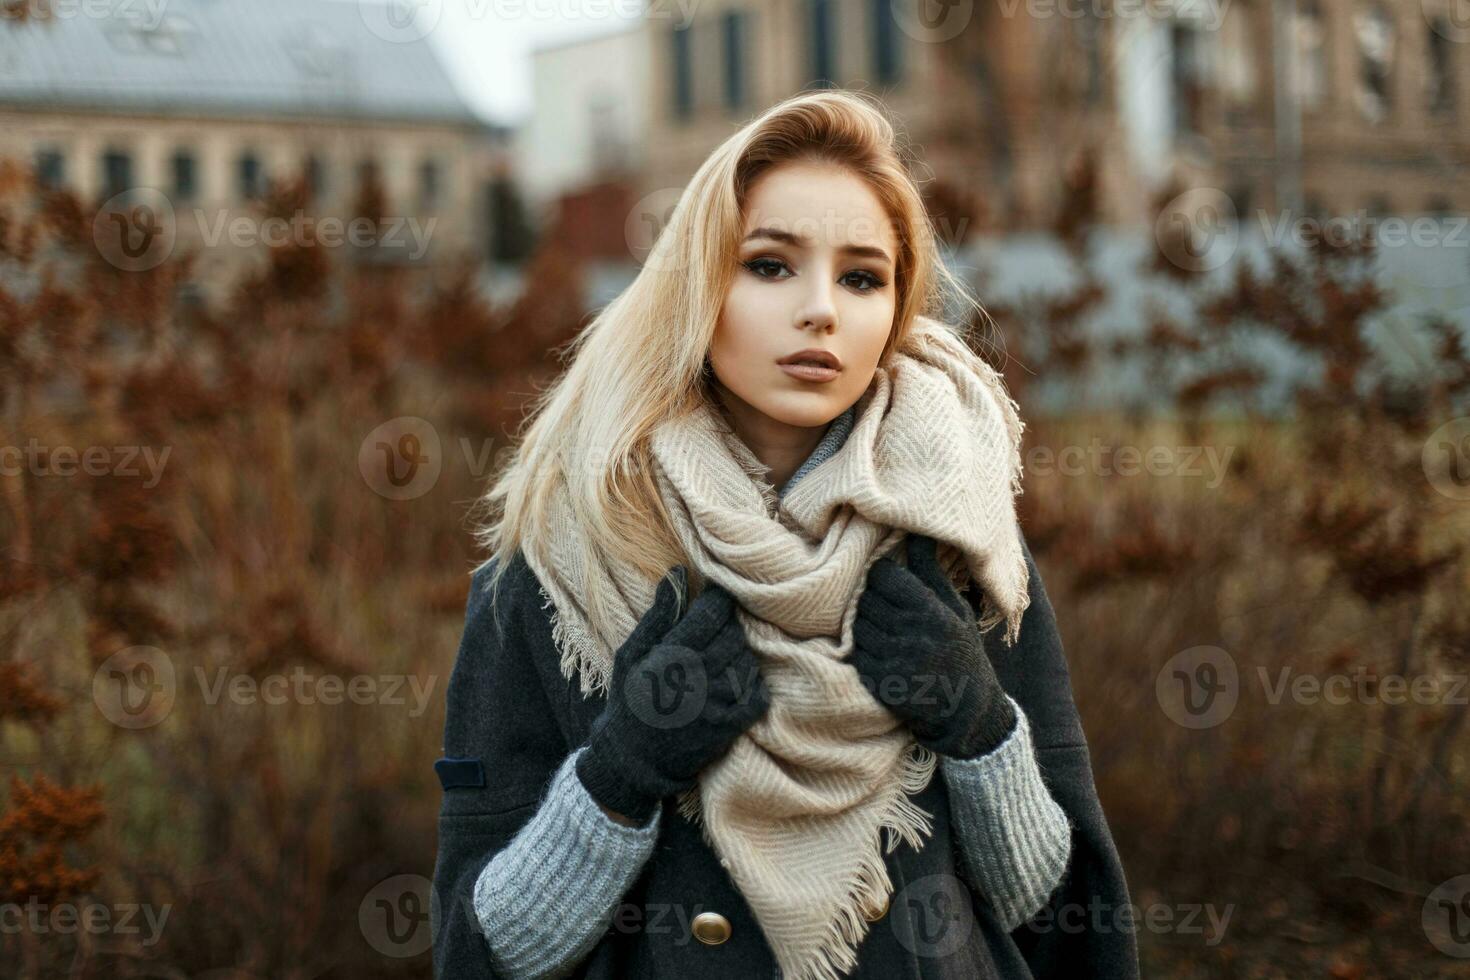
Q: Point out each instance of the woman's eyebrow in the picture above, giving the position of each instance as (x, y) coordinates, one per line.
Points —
(780, 235)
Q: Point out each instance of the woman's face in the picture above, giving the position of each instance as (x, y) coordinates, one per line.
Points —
(816, 271)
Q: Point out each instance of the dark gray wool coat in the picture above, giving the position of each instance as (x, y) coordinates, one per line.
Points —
(509, 707)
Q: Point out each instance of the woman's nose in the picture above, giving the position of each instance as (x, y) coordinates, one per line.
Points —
(819, 310)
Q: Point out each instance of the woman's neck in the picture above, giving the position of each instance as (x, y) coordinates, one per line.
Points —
(780, 446)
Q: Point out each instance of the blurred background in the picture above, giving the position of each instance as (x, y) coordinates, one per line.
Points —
(278, 277)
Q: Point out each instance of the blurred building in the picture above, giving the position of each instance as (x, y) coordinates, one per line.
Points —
(208, 101)
(1327, 108)
(591, 115)
(1323, 108)
(580, 155)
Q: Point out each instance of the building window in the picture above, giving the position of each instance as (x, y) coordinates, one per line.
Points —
(1240, 196)
(1089, 39)
(1188, 78)
(682, 41)
(511, 239)
(251, 177)
(429, 183)
(185, 174)
(733, 30)
(1309, 81)
(1439, 78)
(316, 177)
(50, 168)
(1374, 30)
(820, 36)
(117, 172)
(369, 177)
(887, 49)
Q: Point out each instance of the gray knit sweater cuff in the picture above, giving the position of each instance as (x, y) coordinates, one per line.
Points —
(545, 900)
(1014, 840)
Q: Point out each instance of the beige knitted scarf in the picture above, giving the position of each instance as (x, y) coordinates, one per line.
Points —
(795, 808)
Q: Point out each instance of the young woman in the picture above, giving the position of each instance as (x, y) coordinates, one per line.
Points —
(760, 680)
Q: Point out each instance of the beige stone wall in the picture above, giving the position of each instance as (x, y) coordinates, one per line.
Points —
(464, 159)
(776, 60)
(1408, 160)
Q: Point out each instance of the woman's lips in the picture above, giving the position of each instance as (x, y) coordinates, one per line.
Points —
(810, 372)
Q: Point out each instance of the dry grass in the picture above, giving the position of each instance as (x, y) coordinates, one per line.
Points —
(263, 828)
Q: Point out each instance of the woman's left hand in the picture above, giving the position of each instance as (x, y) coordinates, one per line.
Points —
(918, 650)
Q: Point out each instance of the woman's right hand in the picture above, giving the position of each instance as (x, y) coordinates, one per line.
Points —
(681, 691)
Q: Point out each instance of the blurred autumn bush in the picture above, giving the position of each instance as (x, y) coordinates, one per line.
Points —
(252, 547)
(294, 839)
(1328, 558)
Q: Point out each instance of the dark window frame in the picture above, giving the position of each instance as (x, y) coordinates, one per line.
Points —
(681, 55)
(184, 173)
(431, 182)
(821, 44)
(887, 43)
(249, 175)
(733, 36)
(50, 167)
(117, 171)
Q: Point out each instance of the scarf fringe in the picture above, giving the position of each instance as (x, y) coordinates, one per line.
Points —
(579, 650)
(902, 820)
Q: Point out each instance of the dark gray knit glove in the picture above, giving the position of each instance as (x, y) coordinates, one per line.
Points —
(918, 651)
(680, 693)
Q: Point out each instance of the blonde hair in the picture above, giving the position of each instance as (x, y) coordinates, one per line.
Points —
(642, 359)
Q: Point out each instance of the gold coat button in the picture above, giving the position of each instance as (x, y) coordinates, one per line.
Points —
(874, 914)
(710, 928)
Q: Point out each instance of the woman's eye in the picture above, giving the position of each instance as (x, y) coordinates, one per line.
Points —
(870, 282)
(756, 265)
(860, 279)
